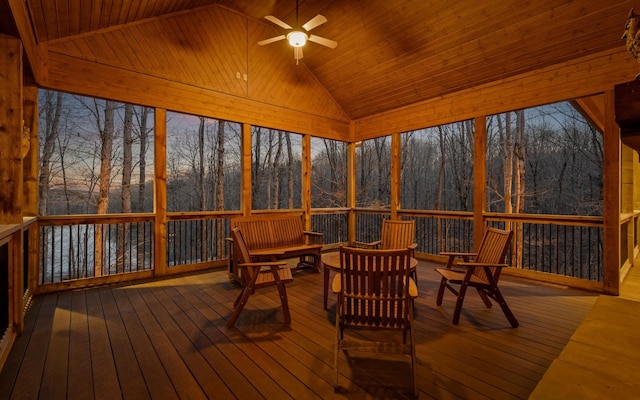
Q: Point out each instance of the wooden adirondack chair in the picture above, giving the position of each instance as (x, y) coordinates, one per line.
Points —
(375, 291)
(257, 275)
(396, 234)
(482, 274)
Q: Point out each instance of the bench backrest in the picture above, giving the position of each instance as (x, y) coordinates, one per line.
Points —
(270, 230)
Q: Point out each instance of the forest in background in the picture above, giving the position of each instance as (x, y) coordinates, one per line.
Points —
(96, 156)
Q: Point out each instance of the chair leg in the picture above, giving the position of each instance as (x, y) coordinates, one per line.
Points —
(484, 297)
(443, 285)
(284, 301)
(413, 364)
(336, 352)
(505, 308)
(241, 302)
(326, 285)
(316, 262)
(459, 301)
(235, 303)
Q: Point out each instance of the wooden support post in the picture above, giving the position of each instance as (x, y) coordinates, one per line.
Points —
(30, 167)
(479, 178)
(245, 193)
(396, 172)
(31, 147)
(351, 191)
(306, 181)
(11, 195)
(160, 192)
(611, 192)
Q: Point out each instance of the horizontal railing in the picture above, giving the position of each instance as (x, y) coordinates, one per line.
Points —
(562, 245)
(332, 223)
(196, 238)
(90, 246)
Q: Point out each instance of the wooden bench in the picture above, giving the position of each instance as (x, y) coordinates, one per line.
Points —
(276, 236)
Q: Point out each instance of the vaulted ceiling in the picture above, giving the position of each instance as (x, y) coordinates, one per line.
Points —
(390, 53)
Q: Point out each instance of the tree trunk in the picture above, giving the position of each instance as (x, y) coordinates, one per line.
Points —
(287, 137)
(519, 150)
(268, 168)
(507, 147)
(52, 109)
(142, 166)
(144, 114)
(106, 150)
(220, 243)
(125, 190)
(200, 173)
(441, 175)
(276, 172)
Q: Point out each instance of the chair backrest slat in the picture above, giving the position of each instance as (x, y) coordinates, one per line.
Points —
(493, 250)
(240, 246)
(397, 234)
(375, 287)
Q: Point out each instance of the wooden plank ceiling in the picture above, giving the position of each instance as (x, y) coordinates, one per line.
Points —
(391, 53)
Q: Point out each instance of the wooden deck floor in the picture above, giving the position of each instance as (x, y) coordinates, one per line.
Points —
(167, 339)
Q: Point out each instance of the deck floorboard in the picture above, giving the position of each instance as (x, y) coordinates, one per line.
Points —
(168, 339)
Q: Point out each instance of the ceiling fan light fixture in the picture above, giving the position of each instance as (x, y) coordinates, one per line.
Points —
(297, 38)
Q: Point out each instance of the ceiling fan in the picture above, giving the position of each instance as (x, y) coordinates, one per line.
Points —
(297, 38)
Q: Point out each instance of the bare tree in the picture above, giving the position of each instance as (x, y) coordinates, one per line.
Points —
(52, 108)
(125, 187)
(290, 164)
(200, 171)
(220, 187)
(276, 175)
(106, 139)
(143, 135)
(519, 155)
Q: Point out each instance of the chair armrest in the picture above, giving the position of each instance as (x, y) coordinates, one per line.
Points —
(336, 285)
(457, 254)
(481, 265)
(413, 288)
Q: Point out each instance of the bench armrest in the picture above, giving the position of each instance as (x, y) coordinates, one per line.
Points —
(263, 264)
(266, 253)
(313, 237)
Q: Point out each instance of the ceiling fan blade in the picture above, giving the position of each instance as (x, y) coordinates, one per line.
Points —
(278, 22)
(271, 40)
(314, 22)
(323, 41)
